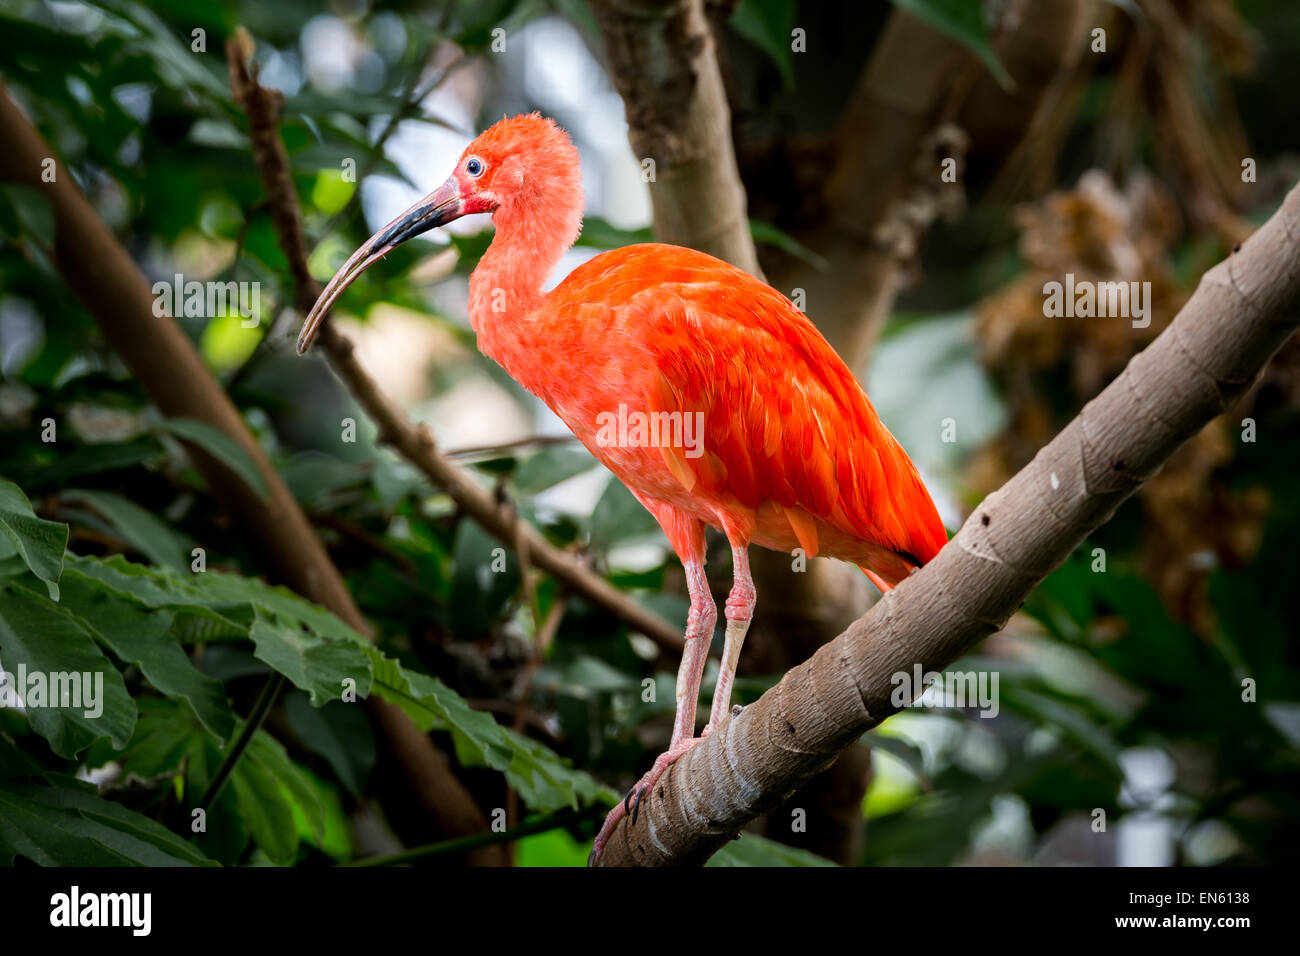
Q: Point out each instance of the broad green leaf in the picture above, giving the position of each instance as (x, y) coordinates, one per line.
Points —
(963, 20)
(618, 517)
(483, 580)
(340, 733)
(140, 528)
(40, 543)
(265, 751)
(169, 741)
(265, 811)
(306, 643)
(220, 446)
(265, 791)
(68, 825)
(318, 665)
(550, 467)
(144, 638)
(334, 836)
(62, 665)
(90, 459)
(320, 481)
(270, 789)
(545, 782)
(904, 751)
(1052, 711)
(768, 25)
(227, 598)
(754, 850)
(175, 65)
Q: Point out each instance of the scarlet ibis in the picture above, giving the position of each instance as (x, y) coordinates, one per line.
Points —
(641, 344)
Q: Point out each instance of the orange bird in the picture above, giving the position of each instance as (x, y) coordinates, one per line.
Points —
(704, 390)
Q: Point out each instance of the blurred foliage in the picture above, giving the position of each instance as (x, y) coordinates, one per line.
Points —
(1120, 692)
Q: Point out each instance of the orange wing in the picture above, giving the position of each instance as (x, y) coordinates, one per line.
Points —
(785, 420)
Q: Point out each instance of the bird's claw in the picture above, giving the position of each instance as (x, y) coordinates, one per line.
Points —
(630, 805)
(633, 808)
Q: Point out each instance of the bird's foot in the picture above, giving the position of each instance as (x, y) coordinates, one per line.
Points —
(631, 804)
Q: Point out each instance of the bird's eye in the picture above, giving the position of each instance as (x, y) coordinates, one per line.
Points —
(474, 166)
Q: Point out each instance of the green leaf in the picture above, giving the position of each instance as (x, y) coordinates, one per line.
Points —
(618, 517)
(265, 754)
(306, 643)
(90, 459)
(935, 349)
(765, 233)
(601, 234)
(768, 24)
(754, 850)
(267, 791)
(340, 733)
(544, 781)
(904, 751)
(222, 447)
(140, 528)
(71, 826)
(1054, 711)
(40, 543)
(226, 598)
(58, 655)
(963, 20)
(478, 589)
(318, 665)
(268, 816)
(168, 741)
(550, 467)
(32, 212)
(143, 638)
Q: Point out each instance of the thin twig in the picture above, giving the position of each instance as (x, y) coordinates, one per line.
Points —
(495, 451)
(256, 717)
(448, 847)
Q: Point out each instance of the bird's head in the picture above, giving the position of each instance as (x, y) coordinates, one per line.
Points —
(520, 169)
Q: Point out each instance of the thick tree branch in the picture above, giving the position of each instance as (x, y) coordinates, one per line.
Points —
(1241, 313)
(920, 99)
(411, 441)
(662, 61)
(116, 294)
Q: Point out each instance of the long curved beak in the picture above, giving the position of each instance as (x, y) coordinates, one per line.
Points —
(441, 206)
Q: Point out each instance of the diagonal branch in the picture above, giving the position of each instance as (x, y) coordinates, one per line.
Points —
(1241, 313)
(411, 441)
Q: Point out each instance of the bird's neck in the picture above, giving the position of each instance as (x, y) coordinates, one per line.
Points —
(505, 290)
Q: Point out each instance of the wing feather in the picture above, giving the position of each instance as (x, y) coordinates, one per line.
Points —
(785, 420)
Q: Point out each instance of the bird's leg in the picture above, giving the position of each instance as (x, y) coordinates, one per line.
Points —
(740, 610)
(699, 633)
